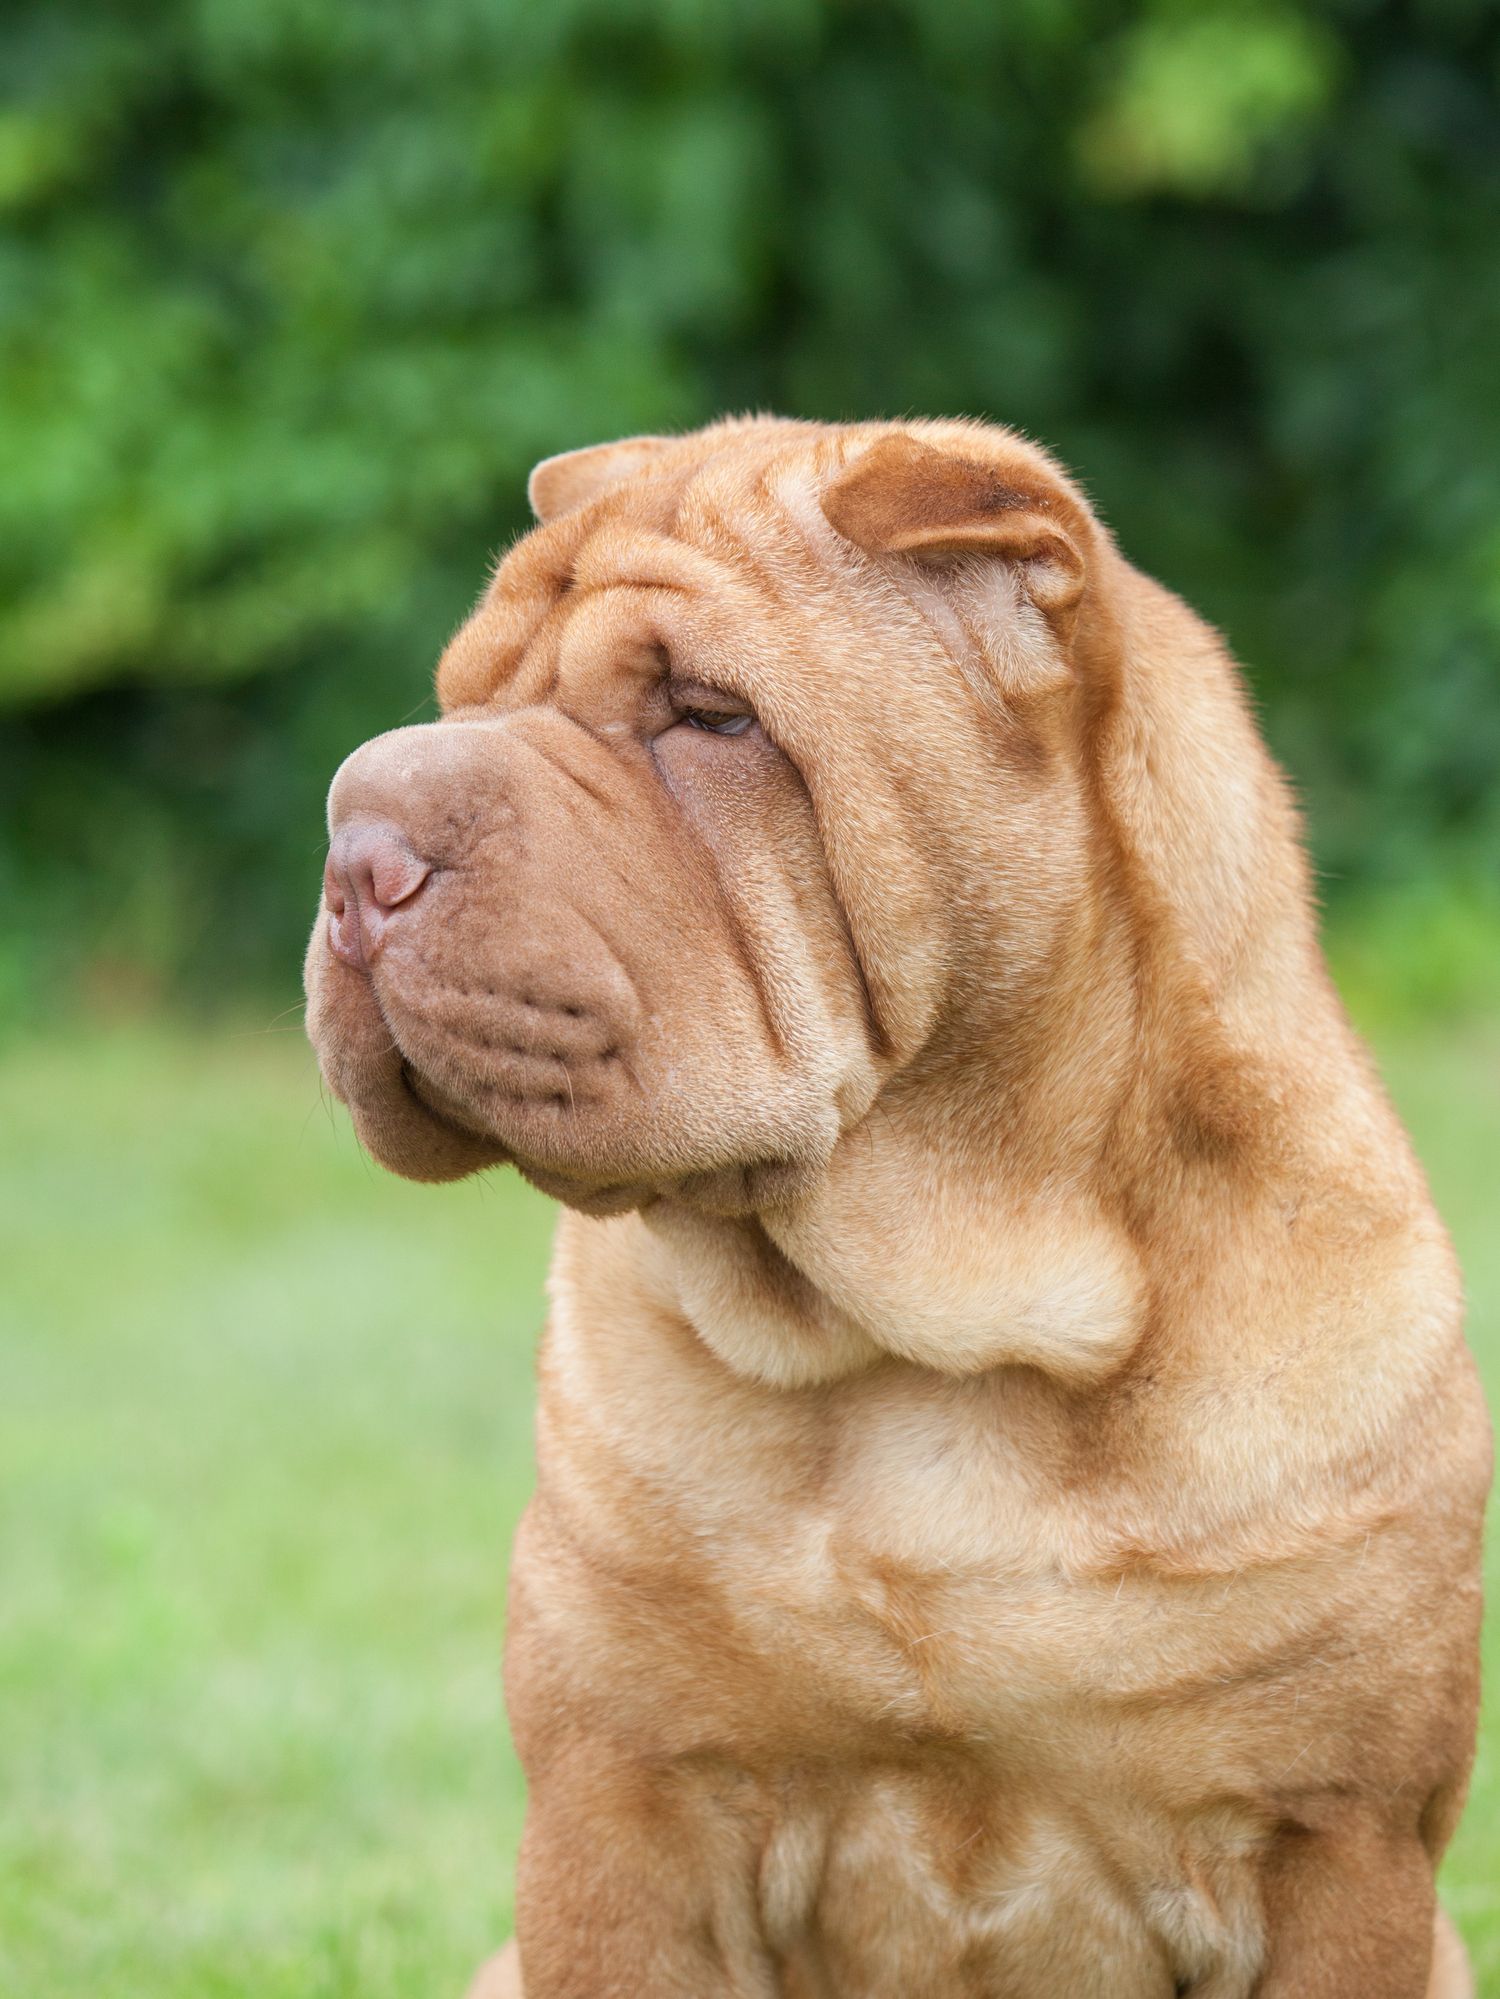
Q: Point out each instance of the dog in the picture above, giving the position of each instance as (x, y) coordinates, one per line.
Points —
(1010, 1475)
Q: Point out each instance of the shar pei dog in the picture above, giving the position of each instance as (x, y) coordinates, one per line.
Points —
(1010, 1474)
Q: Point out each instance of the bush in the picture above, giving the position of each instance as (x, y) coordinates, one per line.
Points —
(296, 290)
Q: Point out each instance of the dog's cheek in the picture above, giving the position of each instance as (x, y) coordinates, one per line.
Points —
(753, 815)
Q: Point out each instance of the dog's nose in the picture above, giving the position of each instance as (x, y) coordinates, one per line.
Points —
(372, 871)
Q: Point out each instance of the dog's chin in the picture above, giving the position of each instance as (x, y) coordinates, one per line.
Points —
(427, 1131)
(732, 1190)
(589, 1192)
(409, 1136)
(418, 1131)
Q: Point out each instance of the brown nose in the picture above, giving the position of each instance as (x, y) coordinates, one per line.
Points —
(371, 872)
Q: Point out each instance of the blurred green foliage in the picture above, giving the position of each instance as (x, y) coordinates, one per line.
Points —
(293, 292)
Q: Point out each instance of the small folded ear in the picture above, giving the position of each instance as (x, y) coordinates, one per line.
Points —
(560, 484)
(904, 497)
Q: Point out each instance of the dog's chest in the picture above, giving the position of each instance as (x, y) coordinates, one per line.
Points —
(913, 1644)
(988, 1809)
(893, 1881)
(985, 1783)
(967, 1597)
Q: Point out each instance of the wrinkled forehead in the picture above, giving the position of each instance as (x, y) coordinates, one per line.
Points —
(693, 556)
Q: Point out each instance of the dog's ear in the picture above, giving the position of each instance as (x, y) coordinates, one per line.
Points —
(560, 484)
(906, 497)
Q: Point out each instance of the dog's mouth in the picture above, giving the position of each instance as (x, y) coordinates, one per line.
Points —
(440, 1119)
(532, 1073)
(440, 1089)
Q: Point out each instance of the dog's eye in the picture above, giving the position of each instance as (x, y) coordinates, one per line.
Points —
(717, 725)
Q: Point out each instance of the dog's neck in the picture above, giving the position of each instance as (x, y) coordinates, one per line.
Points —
(1016, 1214)
(964, 1223)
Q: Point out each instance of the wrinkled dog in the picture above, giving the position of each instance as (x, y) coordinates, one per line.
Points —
(1010, 1473)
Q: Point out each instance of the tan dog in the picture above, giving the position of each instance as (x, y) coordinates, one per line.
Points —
(1011, 1477)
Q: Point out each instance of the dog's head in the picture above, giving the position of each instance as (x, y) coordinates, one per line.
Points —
(761, 779)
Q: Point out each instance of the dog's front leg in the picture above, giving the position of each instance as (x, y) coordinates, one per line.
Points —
(626, 1888)
(499, 1977)
(1352, 1914)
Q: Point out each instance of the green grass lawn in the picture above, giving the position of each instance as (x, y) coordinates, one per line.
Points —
(264, 1434)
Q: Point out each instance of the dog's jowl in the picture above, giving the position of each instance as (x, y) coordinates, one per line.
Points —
(1010, 1475)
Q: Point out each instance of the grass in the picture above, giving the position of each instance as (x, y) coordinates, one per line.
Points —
(264, 1435)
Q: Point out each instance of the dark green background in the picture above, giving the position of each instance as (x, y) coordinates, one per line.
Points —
(293, 292)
